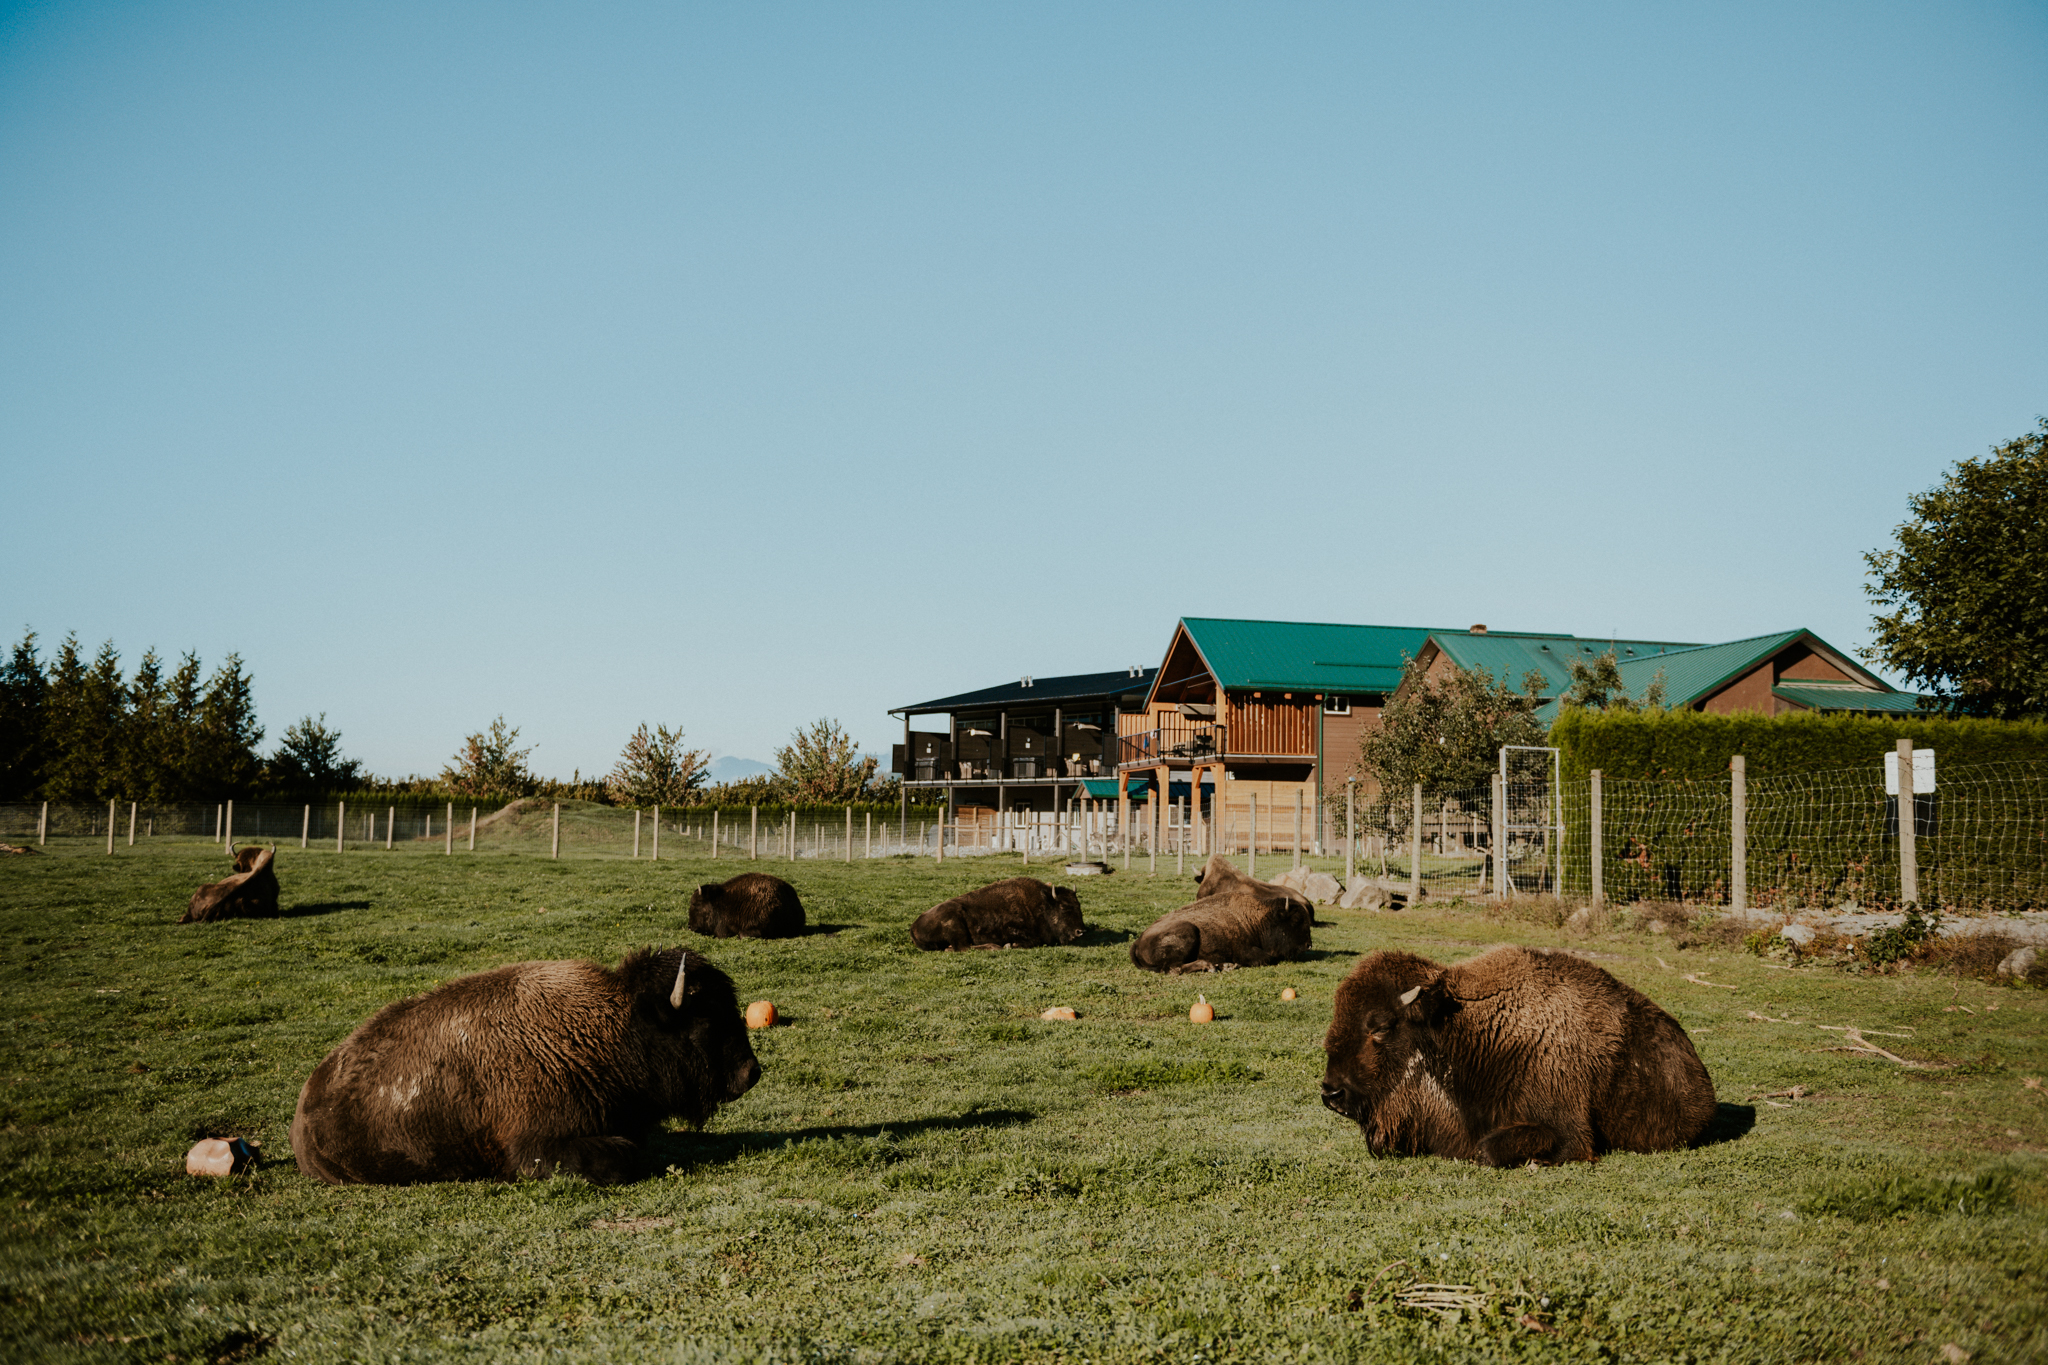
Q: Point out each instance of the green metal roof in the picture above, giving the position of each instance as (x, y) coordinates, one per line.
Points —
(1308, 656)
(1104, 788)
(1508, 655)
(1823, 697)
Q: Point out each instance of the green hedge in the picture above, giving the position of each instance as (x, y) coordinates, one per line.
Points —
(1696, 744)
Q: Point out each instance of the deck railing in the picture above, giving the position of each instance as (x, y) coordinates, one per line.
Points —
(1172, 743)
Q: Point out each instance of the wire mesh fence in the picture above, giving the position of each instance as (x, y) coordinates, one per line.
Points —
(1817, 840)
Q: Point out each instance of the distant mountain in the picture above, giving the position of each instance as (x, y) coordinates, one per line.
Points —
(730, 769)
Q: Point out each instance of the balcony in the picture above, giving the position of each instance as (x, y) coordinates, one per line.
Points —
(1175, 745)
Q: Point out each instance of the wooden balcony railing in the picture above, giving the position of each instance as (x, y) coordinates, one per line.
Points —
(1172, 743)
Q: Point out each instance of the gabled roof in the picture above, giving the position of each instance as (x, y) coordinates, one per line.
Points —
(1692, 674)
(1308, 656)
(1509, 655)
(1075, 687)
(1841, 697)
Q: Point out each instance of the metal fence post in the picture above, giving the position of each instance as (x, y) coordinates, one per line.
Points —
(1500, 838)
(555, 837)
(1597, 852)
(1909, 821)
(1738, 833)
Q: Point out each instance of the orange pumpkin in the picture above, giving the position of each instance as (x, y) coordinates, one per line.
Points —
(218, 1156)
(1203, 1011)
(1060, 1014)
(1287, 994)
(761, 1014)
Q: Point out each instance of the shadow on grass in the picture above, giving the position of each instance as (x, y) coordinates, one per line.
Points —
(1099, 936)
(699, 1149)
(811, 930)
(1730, 1122)
(320, 908)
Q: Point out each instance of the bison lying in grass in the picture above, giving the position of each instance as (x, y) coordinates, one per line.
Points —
(250, 894)
(1235, 920)
(1022, 912)
(1518, 1055)
(751, 905)
(530, 1070)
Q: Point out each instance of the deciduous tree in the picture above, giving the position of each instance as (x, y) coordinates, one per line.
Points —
(655, 769)
(1449, 734)
(822, 766)
(488, 764)
(1598, 686)
(1967, 586)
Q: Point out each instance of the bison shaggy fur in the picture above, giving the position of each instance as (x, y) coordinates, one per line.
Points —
(1022, 912)
(751, 905)
(1235, 920)
(529, 1070)
(1517, 1055)
(250, 894)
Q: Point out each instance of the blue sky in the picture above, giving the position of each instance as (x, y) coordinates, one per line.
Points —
(729, 366)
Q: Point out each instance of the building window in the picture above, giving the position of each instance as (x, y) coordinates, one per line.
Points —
(1336, 706)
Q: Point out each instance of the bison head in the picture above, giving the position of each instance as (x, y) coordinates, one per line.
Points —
(1382, 1040)
(1066, 915)
(701, 1035)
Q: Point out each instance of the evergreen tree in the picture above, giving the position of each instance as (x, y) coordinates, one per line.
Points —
(226, 763)
(86, 708)
(143, 736)
(308, 759)
(23, 692)
(178, 755)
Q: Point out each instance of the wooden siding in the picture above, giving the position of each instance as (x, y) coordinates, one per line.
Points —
(1272, 725)
(1232, 813)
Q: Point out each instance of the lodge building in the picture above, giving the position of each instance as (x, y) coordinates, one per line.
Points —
(1272, 713)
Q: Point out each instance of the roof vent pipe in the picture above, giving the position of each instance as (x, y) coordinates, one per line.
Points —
(1027, 680)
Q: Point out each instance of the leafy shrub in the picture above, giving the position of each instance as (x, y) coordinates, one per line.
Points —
(1903, 941)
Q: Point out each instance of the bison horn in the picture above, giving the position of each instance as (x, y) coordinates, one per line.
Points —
(1408, 996)
(675, 997)
(231, 850)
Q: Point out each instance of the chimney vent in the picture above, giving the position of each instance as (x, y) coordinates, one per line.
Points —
(1479, 629)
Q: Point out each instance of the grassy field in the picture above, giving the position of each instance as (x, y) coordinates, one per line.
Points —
(927, 1172)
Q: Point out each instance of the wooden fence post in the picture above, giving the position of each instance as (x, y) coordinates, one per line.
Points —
(1909, 821)
(110, 825)
(340, 824)
(1297, 826)
(1415, 850)
(131, 826)
(472, 829)
(1596, 848)
(1738, 833)
(555, 837)
(656, 851)
(216, 823)
(306, 826)
(43, 825)
(636, 831)
(227, 837)
(753, 832)
(448, 841)
(390, 824)
(714, 833)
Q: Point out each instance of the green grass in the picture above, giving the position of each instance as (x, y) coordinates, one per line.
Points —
(928, 1172)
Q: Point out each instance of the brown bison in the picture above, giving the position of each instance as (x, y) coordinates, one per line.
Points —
(530, 1070)
(1235, 921)
(751, 905)
(1518, 1055)
(1022, 912)
(250, 894)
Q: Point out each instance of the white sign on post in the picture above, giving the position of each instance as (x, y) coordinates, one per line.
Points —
(1923, 772)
